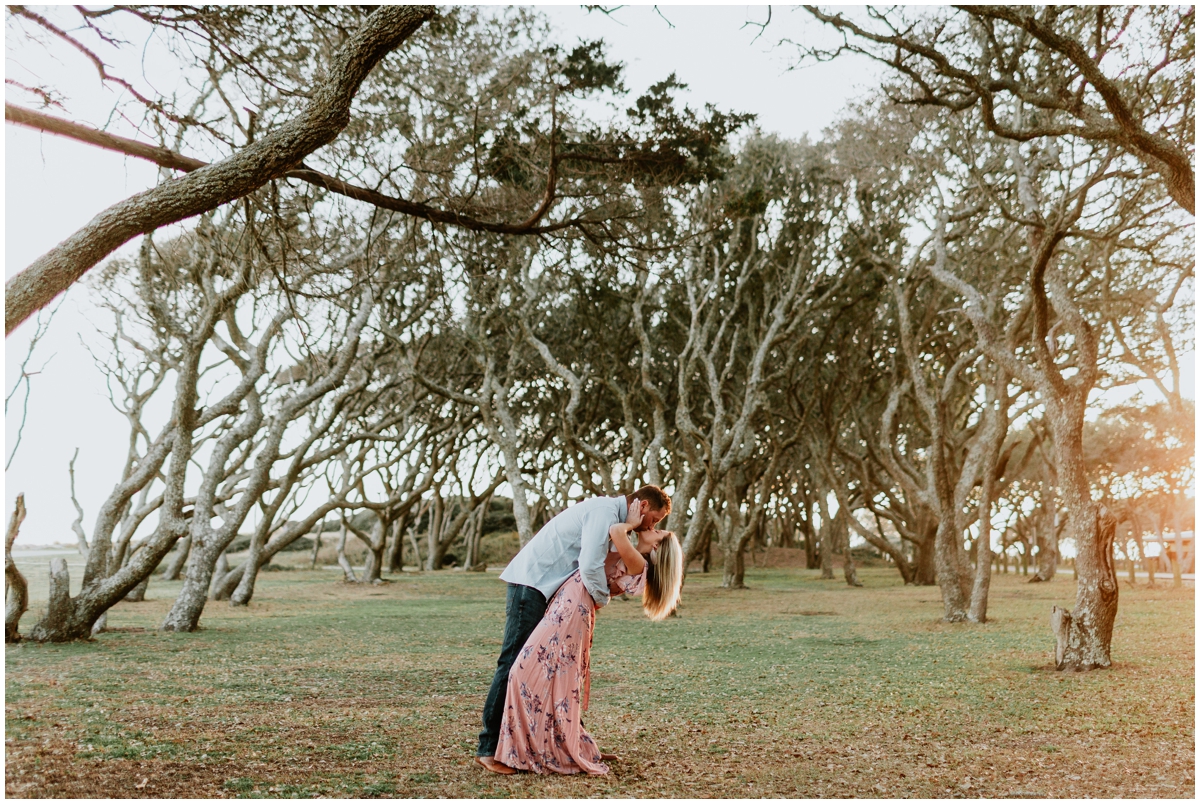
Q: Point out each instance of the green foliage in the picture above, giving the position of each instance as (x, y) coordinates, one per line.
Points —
(585, 69)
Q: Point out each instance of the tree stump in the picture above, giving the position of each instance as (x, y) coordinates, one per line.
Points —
(56, 626)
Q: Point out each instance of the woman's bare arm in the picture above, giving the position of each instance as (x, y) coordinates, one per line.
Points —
(634, 562)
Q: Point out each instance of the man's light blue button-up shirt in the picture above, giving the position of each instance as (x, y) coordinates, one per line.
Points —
(575, 539)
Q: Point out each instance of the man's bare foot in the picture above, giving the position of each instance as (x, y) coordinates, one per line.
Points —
(490, 763)
(608, 757)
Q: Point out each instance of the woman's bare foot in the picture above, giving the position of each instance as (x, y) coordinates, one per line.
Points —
(490, 763)
(608, 757)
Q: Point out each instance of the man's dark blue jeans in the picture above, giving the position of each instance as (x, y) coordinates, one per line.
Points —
(522, 612)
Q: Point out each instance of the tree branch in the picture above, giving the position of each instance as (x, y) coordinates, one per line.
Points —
(211, 186)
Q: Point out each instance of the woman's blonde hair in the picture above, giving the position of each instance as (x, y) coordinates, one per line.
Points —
(664, 579)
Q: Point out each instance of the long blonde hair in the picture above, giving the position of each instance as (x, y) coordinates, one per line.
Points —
(664, 579)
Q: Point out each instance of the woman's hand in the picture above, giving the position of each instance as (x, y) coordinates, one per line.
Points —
(620, 533)
(637, 510)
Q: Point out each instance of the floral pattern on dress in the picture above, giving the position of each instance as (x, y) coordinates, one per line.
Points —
(542, 730)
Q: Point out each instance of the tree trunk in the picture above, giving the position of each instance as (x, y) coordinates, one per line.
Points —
(907, 569)
(414, 545)
(810, 540)
(1177, 564)
(811, 559)
(317, 534)
(505, 436)
(849, 570)
(395, 555)
(826, 549)
(138, 593)
(347, 571)
(728, 526)
(693, 491)
(245, 575)
(785, 533)
(706, 548)
(450, 530)
(954, 602)
(375, 542)
(983, 555)
(734, 573)
(76, 618)
(733, 550)
(16, 591)
(1083, 636)
(926, 565)
(179, 560)
(77, 525)
(735, 529)
(433, 534)
(469, 538)
(1130, 564)
(996, 424)
(237, 585)
(1136, 532)
(1047, 538)
(219, 571)
(223, 589)
(475, 534)
(1151, 563)
(1048, 527)
(184, 615)
(373, 571)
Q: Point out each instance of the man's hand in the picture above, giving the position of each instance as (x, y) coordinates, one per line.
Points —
(637, 510)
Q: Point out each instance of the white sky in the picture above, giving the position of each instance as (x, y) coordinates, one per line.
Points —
(54, 186)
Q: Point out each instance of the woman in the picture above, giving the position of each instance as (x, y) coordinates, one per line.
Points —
(542, 729)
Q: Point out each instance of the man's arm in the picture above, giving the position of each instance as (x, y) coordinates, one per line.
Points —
(593, 548)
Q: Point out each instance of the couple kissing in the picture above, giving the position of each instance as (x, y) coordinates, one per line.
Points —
(532, 717)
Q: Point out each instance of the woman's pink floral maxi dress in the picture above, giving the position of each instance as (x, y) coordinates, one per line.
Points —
(548, 685)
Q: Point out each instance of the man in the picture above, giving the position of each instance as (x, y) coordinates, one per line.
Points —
(575, 539)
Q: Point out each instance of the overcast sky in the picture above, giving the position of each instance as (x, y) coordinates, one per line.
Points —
(54, 186)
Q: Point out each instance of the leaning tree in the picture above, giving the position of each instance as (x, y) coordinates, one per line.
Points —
(478, 123)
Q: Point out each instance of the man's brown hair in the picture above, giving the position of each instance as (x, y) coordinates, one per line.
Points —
(658, 499)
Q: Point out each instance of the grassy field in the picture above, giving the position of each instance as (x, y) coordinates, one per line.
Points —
(795, 687)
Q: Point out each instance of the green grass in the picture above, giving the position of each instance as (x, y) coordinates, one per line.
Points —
(796, 687)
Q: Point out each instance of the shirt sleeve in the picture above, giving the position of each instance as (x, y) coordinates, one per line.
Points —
(592, 550)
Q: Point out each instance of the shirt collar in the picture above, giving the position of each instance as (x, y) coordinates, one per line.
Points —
(622, 507)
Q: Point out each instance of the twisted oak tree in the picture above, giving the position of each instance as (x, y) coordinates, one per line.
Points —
(206, 188)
